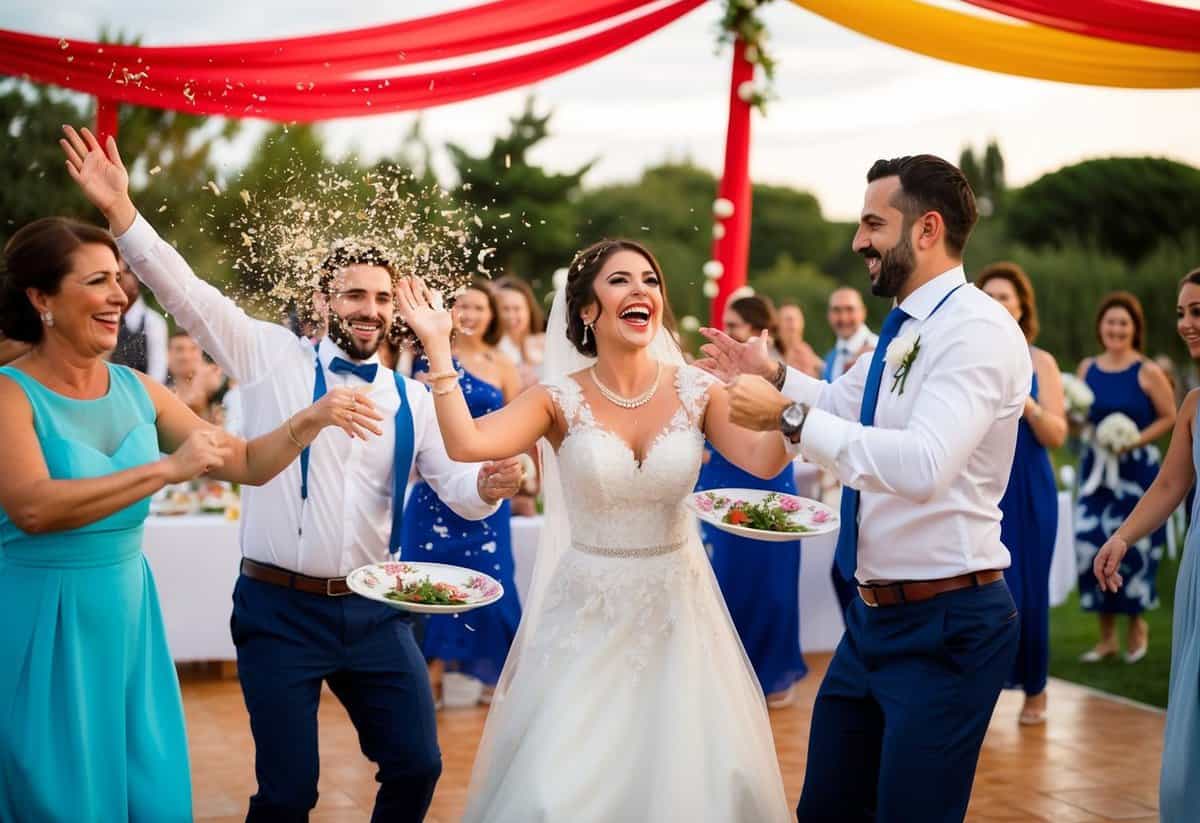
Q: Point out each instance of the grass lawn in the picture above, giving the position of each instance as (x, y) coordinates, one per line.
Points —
(1073, 631)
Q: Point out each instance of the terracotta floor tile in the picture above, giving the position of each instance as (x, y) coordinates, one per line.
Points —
(1095, 761)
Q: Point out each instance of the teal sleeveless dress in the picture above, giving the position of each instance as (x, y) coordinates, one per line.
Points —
(91, 721)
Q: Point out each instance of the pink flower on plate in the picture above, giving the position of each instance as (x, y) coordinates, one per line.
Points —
(820, 516)
(789, 504)
(704, 503)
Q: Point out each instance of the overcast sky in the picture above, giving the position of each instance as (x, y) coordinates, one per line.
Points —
(844, 99)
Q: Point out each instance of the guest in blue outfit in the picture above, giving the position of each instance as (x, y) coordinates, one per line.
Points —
(476, 644)
(760, 581)
(1030, 504)
(1126, 382)
(848, 320)
(1179, 784)
(92, 724)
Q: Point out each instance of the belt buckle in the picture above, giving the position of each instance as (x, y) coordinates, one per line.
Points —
(329, 592)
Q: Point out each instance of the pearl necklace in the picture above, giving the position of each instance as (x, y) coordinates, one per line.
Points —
(627, 402)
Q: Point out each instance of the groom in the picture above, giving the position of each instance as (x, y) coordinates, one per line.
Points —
(922, 435)
(337, 508)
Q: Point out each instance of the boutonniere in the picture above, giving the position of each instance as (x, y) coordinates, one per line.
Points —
(901, 354)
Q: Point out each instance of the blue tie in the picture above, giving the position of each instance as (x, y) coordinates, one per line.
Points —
(364, 371)
(846, 555)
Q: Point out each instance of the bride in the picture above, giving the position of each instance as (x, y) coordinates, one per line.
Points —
(626, 695)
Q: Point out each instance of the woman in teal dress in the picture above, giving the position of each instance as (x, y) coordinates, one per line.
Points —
(91, 724)
(1179, 784)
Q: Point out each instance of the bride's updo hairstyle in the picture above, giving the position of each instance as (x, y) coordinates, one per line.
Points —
(581, 289)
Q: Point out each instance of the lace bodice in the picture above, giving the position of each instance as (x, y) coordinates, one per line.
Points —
(604, 485)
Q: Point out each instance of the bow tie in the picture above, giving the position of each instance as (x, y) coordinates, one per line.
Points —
(364, 371)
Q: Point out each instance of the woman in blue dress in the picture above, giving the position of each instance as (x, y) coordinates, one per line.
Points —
(476, 644)
(1124, 381)
(1179, 784)
(760, 581)
(1030, 504)
(91, 723)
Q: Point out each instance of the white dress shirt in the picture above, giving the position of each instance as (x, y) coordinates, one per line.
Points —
(347, 517)
(140, 317)
(934, 466)
(843, 350)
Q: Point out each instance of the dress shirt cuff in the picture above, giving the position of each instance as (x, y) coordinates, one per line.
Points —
(824, 437)
(800, 388)
(137, 240)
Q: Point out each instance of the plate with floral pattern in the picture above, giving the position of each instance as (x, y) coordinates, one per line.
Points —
(773, 517)
(428, 588)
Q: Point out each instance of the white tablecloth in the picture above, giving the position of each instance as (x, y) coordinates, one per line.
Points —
(195, 564)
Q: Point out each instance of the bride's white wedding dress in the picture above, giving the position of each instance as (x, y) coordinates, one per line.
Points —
(633, 699)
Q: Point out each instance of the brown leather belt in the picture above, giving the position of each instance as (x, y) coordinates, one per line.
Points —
(329, 586)
(895, 594)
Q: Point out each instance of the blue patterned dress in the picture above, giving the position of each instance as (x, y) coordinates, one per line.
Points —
(1100, 513)
(91, 722)
(478, 641)
(1179, 785)
(1030, 510)
(760, 581)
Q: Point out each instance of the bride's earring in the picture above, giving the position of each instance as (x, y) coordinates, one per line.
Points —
(48, 318)
(587, 331)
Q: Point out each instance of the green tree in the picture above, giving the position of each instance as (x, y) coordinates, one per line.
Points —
(1123, 206)
(527, 211)
(31, 162)
(670, 210)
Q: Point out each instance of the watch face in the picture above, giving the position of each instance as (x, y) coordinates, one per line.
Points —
(793, 416)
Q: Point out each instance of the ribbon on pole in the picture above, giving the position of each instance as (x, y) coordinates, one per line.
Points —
(1012, 48)
(731, 245)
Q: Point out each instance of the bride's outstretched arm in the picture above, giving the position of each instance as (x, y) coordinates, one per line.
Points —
(763, 454)
(513, 429)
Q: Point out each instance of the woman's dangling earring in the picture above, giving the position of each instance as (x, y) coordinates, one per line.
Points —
(587, 331)
(48, 318)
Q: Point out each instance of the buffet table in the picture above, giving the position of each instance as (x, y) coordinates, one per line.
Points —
(195, 562)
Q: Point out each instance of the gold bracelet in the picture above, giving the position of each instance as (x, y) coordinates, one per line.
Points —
(442, 375)
(448, 390)
(292, 436)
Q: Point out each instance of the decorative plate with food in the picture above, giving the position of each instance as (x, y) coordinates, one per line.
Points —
(429, 588)
(773, 517)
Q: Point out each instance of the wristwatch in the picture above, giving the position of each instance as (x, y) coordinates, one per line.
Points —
(791, 421)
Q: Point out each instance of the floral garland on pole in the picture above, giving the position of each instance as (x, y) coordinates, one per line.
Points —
(750, 89)
(740, 21)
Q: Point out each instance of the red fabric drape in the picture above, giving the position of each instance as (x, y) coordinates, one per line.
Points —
(242, 96)
(733, 249)
(328, 56)
(1127, 21)
(106, 118)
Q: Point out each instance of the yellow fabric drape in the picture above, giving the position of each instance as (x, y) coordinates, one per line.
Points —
(1012, 48)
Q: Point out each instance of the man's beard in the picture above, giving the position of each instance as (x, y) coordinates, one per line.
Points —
(339, 332)
(896, 265)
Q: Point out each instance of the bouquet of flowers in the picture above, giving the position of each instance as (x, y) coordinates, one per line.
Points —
(1078, 396)
(1116, 433)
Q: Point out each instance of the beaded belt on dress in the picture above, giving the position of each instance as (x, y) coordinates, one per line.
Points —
(642, 551)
